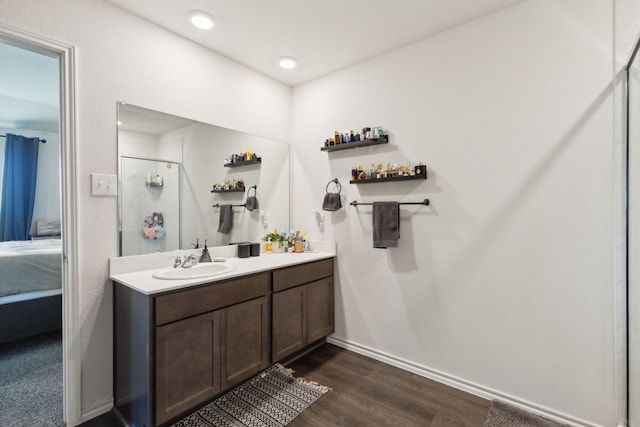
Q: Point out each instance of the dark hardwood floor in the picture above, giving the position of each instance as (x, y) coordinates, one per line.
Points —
(371, 393)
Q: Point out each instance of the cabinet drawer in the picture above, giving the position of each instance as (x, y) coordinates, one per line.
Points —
(290, 277)
(193, 301)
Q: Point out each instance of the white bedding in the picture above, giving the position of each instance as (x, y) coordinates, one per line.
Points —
(30, 265)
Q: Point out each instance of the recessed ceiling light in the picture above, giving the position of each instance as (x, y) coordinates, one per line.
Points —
(288, 62)
(202, 20)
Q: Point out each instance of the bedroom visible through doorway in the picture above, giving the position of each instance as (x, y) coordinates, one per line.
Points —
(31, 213)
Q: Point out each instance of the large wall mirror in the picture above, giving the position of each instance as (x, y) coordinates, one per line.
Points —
(168, 167)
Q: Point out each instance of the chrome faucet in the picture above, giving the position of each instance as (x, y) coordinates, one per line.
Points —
(189, 261)
(177, 262)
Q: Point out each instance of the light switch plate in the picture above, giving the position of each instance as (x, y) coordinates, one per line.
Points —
(104, 185)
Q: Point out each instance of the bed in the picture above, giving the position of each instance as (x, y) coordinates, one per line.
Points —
(30, 287)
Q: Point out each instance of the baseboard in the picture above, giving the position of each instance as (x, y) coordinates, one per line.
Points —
(97, 410)
(458, 383)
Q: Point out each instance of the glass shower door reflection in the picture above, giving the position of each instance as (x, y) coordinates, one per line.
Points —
(150, 206)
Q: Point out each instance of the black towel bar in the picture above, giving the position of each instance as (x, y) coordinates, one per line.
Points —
(425, 202)
(244, 205)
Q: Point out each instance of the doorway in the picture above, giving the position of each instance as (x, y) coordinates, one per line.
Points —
(56, 212)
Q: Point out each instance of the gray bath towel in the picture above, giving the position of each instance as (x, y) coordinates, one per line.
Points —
(226, 219)
(386, 224)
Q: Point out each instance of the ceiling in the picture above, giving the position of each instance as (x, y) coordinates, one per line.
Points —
(324, 36)
(29, 90)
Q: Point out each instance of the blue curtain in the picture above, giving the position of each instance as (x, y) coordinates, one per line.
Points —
(18, 187)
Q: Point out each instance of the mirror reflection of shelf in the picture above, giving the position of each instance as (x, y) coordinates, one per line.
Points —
(228, 191)
(384, 139)
(255, 160)
(154, 180)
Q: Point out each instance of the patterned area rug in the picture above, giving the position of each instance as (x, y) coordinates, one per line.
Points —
(270, 399)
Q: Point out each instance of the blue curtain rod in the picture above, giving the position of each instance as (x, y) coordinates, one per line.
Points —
(44, 141)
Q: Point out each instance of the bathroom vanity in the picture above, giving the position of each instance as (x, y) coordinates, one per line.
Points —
(180, 343)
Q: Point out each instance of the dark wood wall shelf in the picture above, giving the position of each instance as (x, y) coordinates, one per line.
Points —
(228, 191)
(384, 139)
(390, 179)
(244, 163)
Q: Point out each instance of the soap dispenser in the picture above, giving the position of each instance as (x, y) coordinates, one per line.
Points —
(205, 254)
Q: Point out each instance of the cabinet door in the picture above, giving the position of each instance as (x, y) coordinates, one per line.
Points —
(187, 364)
(244, 340)
(289, 332)
(319, 309)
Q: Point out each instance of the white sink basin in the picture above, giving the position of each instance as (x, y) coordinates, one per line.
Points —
(200, 271)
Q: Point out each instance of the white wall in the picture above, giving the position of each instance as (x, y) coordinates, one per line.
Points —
(120, 57)
(504, 285)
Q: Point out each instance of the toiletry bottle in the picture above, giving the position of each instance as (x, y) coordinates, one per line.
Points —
(291, 242)
(305, 240)
(298, 244)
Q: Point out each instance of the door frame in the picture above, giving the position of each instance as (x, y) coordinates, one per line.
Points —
(632, 245)
(71, 350)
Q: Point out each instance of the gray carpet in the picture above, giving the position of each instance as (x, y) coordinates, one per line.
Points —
(504, 415)
(31, 382)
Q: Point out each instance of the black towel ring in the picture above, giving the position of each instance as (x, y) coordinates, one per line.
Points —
(335, 180)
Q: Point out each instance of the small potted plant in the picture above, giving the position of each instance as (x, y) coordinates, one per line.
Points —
(278, 241)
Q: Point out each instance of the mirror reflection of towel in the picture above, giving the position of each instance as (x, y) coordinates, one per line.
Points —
(252, 203)
(386, 224)
(226, 219)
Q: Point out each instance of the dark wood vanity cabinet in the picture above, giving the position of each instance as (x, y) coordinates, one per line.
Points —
(187, 364)
(174, 351)
(177, 350)
(303, 307)
(245, 335)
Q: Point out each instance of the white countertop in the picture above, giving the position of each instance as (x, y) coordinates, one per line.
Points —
(143, 281)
